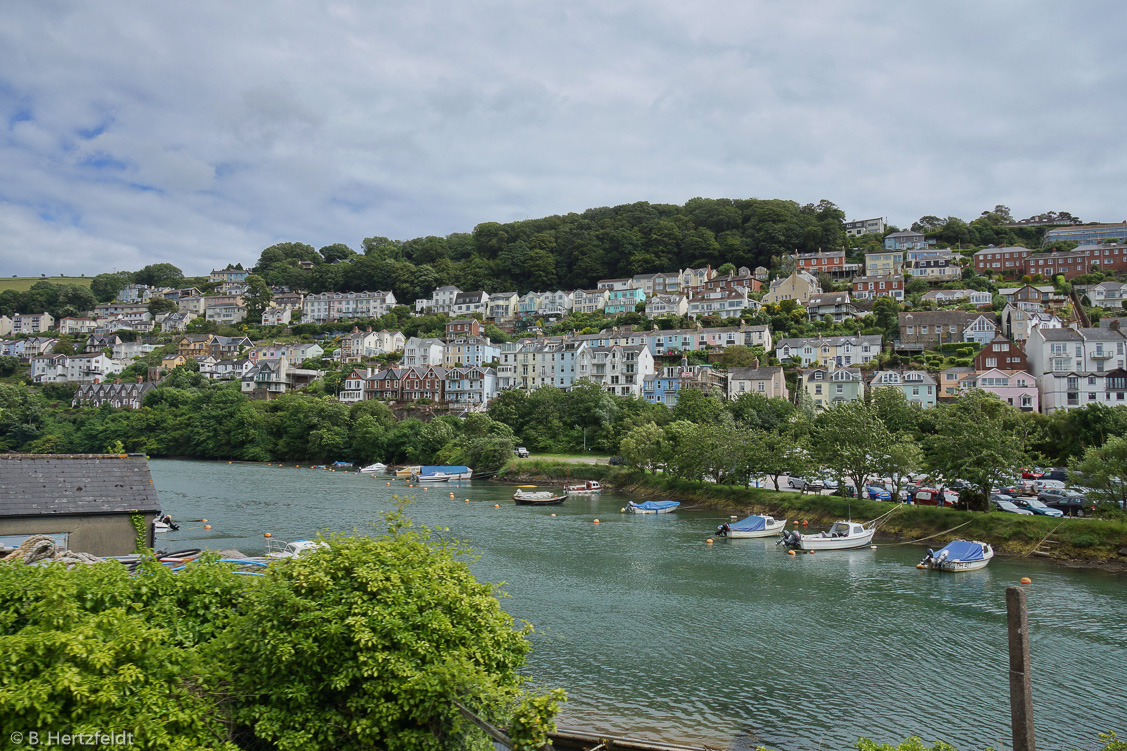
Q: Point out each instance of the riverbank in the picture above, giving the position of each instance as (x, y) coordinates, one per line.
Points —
(1090, 543)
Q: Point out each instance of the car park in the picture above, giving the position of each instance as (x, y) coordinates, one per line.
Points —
(804, 484)
(1037, 507)
(1010, 508)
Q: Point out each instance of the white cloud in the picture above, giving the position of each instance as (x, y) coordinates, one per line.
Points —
(200, 133)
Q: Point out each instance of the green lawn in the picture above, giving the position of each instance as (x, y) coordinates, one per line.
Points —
(23, 283)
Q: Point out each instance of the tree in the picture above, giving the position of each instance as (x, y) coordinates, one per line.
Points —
(159, 275)
(644, 446)
(368, 642)
(106, 286)
(158, 305)
(1104, 470)
(979, 439)
(257, 296)
(851, 441)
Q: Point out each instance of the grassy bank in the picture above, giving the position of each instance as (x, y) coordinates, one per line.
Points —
(1090, 541)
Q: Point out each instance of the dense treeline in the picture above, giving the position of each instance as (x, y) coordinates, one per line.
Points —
(568, 252)
(59, 300)
(189, 415)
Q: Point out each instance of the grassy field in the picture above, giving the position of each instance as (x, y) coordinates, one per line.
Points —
(23, 283)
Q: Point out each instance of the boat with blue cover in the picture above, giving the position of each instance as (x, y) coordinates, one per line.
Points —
(452, 472)
(652, 507)
(960, 555)
(752, 526)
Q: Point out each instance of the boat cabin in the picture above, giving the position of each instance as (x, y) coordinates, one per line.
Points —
(845, 529)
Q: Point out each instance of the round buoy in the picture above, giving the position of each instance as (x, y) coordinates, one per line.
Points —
(205, 520)
(451, 495)
(790, 552)
(496, 505)
(920, 565)
(267, 534)
(467, 500)
(553, 514)
(207, 526)
(709, 540)
(622, 510)
(811, 552)
(596, 521)
(389, 483)
(804, 522)
(426, 488)
(228, 462)
(1026, 580)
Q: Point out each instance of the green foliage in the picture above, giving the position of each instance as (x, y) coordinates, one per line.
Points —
(367, 644)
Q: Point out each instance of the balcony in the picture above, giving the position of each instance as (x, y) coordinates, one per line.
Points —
(1098, 355)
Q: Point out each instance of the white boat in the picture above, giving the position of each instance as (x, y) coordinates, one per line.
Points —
(436, 477)
(960, 555)
(280, 550)
(453, 471)
(164, 524)
(841, 536)
(539, 498)
(652, 507)
(372, 469)
(408, 470)
(752, 526)
(591, 487)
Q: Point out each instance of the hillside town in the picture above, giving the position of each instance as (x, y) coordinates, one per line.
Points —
(1024, 332)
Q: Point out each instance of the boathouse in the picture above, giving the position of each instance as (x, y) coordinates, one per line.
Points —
(88, 502)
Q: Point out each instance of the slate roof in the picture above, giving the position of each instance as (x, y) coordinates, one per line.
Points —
(67, 484)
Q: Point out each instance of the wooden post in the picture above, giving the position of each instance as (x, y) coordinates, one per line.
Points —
(1021, 685)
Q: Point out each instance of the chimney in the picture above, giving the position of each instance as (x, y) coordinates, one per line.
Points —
(139, 379)
(755, 363)
(116, 380)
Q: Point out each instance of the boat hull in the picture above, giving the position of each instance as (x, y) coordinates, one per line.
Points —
(553, 501)
(814, 542)
(770, 530)
(634, 508)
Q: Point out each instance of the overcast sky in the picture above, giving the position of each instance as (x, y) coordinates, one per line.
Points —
(201, 132)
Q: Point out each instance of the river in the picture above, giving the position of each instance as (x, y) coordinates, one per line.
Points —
(655, 633)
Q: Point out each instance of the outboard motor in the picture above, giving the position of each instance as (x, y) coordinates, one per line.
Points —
(722, 530)
(790, 539)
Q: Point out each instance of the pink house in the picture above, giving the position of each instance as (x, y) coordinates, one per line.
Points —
(1015, 387)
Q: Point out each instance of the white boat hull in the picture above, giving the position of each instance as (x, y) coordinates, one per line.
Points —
(957, 566)
(433, 478)
(817, 542)
(372, 469)
(769, 530)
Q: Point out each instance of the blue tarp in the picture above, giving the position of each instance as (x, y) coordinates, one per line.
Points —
(751, 524)
(448, 470)
(961, 550)
(658, 505)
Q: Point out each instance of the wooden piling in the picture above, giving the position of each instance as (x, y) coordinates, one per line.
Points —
(1021, 683)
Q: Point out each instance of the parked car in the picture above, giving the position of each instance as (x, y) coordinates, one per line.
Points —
(933, 497)
(1039, 485)
(804, 484)
(521, 452)
(829, 482)
(616, 461)
(876, 493)
(1018, 489)
(1001, 497)
(1056, 473)
(1037, 507)
(1068, 502)
(1031, 474)
(1009, 507)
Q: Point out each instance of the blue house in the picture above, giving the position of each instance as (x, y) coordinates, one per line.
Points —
(624, 300)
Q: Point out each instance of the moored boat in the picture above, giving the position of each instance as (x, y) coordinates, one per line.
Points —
(959, 555)
(843, 535)
(752, 526)
(454, 472)
(408, 470)
(652, 507)
(433, 477)
(591, 487)
(279, 549)
(372, 469)
(540, 498)
(164, 523)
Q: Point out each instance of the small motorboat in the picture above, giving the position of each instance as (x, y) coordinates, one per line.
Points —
(591, 487)
(435, 477)
(343, 464)
(652, 507)
(843, 535)
(453, 471)
(752, 526)
(540, 498)
(280, 550)
(372, 469)
(408, 471)
(960, 555)
(164, 524)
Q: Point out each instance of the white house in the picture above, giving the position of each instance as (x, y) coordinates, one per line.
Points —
(618, 369)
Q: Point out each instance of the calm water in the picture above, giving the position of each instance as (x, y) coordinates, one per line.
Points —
(654, 633)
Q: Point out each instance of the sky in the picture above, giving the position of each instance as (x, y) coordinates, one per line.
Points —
(198, 133)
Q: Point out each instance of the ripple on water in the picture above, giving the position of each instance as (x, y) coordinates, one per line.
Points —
(653, 633)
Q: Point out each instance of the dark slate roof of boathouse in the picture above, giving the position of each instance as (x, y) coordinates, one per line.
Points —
(66, 484)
